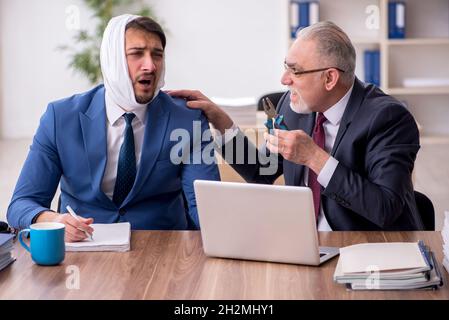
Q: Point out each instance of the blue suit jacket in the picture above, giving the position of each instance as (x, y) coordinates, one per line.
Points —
(70, 147)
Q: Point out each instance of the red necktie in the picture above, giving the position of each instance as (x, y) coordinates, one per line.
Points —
(318, 137)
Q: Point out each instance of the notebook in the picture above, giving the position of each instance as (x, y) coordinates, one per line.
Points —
(445, 236)
(403, 257)
(6, 245)
(388, 266)
(106, 237)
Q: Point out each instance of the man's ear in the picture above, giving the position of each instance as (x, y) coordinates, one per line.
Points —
(331, 77)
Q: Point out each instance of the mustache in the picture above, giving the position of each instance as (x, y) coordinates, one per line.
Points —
(145, 76)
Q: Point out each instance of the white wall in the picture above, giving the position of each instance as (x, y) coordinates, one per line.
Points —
(33, 72)
(226, 48)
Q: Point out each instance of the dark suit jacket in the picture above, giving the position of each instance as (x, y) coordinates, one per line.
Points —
(376, 146)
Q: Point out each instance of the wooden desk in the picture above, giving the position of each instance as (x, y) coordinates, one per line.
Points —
(172, 265)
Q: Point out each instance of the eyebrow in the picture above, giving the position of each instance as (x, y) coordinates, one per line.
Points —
(143, 48)
(293, 65)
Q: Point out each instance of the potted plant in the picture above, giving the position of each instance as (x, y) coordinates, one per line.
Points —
(85, 53)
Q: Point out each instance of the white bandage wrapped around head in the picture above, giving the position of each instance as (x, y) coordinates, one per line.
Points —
(114, 67)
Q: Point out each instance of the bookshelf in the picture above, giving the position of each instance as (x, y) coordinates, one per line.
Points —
(422, 54)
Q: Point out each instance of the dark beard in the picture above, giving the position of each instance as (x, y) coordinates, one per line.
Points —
(143, 99)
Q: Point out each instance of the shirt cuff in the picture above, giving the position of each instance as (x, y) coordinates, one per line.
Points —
(327, 172)
(27, 219)
(34, 220)
(222, 139)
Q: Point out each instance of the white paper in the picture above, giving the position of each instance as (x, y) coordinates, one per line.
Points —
(400, 15)
(314, 13)
(368, 257)
(235, 102)
(425, 82)
(106, 237)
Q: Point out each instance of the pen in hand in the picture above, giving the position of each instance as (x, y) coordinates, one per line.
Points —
(73, 214)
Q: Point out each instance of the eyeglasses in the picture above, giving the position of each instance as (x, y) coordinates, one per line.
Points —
(298, 73)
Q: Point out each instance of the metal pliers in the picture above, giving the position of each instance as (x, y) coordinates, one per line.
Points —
(274, 120)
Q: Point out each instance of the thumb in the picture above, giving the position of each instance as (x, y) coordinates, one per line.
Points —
(203, 105)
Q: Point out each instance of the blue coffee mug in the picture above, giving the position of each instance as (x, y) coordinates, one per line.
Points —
(47, 246)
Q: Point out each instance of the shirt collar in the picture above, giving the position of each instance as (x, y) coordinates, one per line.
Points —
(114, 112)
(335, 113)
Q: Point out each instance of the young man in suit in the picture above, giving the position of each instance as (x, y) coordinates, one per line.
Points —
(111, 148)
(352, 144)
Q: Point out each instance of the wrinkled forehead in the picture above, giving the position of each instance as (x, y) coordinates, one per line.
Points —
(302, 54)
(135, 38)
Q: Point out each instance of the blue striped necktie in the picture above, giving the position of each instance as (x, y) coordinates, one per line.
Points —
(126, 168)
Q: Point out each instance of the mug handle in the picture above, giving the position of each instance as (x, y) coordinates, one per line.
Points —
(20, 236)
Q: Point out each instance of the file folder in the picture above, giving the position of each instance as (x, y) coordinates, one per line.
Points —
(396, 20)
(302, 14)
(372, 66)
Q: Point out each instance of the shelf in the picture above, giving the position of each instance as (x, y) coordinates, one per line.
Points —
(417, 91)
(361, 41)
(422, 54)
(418, 41)
(434, 139)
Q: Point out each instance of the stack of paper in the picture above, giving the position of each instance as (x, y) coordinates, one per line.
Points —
(241, 110)
(106, 237)
(445, 236)
(387, 266)
(425, 82)
(6, 245)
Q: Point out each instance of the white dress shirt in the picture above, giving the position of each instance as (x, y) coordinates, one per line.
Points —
(331, 126)
(115, 127)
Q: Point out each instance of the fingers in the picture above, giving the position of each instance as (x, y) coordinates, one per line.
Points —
(203, 105)
(195, 99)
(272, 142)
(75, 228)
(179, 93)
(81, 225)
(74, 235)
(273, 148)
(86, 220)
(285, 135)
(187, 94)
(283, 142)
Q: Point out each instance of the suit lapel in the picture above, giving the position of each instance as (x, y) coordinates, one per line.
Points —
(351, 109)
(93, 127)
(155, 128)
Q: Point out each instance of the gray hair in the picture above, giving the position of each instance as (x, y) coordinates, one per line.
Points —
(334, 47)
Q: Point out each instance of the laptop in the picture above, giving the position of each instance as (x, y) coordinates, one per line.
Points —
(259, 222)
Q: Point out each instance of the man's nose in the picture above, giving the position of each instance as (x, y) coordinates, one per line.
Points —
(286, 78)
(148, 64)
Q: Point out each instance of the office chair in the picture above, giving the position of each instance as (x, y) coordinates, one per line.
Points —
(274, 97)
(426, 211)
(4, 227)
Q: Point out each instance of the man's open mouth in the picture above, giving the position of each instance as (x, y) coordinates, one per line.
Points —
(144, 82)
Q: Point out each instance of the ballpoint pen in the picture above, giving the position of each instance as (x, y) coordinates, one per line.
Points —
(73, 214)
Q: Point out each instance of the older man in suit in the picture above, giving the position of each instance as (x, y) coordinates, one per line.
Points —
(111, 147)
(352, 144)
